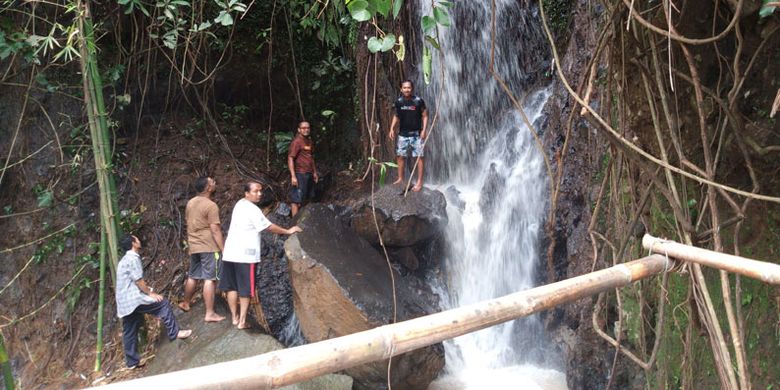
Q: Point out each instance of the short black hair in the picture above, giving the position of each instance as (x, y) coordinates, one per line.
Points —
(248, 185)
(201, 183)
(302, 122)
(406, 81)
(126, 242)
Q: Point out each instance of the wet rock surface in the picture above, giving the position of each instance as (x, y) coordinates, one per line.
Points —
(212, 343)
(341, 286)
(403, 221)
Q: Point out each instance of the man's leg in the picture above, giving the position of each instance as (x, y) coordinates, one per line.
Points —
(130, 324)
(244, 302)
(420, 169)
(232, 298)
(209, 290)
(189, 290)
(163, 311)
(400, 161)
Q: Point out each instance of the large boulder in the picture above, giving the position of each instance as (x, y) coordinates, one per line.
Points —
(341, 286)
(403, 221)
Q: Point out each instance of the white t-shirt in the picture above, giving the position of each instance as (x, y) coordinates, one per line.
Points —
(243, 239)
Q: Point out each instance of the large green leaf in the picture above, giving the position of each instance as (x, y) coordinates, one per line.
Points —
(765, 10)
(359, 10)
(388, 42)
(441, 16)
(374, 44)
(397, 7)
(428, 24)
(382, 6)
(427, 64)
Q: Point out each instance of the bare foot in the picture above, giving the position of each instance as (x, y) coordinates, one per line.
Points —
(235, 320)
(183, 334)
(417, 187)
(213, 318)
(243, 326)
(399, 181)
(184, 306)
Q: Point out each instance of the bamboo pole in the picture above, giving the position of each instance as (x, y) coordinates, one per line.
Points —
(293, 365)
(763, 271)
(101, 302)
(5, 366)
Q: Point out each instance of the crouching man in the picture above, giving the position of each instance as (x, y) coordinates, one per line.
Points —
(134, 298)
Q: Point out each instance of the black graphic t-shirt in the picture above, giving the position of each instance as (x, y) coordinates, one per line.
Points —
(409, 113)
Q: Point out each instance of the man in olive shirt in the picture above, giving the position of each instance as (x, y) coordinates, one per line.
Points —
(204, 238)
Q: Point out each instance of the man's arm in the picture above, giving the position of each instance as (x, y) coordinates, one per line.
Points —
(314, 167)
(393, 123)
(276, 229)
(216, 232)
(424, 134)
(148, 290)
(291, 167)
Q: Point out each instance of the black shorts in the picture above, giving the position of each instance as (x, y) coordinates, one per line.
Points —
(205, 266)
(238, 277)
(302, 192)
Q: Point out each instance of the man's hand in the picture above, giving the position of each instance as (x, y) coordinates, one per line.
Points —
(294, 229)
(294, 181)
(316, 177)
(391, 135)
(156, 297)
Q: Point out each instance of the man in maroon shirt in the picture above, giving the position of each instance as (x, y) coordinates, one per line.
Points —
(303, 172)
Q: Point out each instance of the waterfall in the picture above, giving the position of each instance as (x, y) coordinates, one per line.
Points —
(483, 156)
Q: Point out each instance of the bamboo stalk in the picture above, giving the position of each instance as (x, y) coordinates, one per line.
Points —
(285, 367)
(101, 302)
(763, 271)
(98, 126)
(5, 365)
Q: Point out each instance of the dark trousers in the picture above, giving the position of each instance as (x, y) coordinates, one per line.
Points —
(133, 321)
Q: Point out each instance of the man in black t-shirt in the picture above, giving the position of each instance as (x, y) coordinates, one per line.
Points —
(411, 113)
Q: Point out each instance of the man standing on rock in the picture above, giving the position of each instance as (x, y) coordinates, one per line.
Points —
(411, 113)
(303, 172)
(134, 298)
(242, 251)
(204, 239)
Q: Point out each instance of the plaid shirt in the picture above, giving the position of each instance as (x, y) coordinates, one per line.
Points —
(128, 295)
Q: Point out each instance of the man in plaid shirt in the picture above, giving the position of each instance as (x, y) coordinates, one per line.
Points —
(134, 298)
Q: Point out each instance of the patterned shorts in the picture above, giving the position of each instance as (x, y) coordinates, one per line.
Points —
(412, 142)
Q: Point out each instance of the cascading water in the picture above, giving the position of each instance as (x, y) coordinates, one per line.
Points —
(484, 158)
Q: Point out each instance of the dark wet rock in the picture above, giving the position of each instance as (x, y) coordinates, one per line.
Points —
(492, 190)
(212, 343)
(453, 197)
(403, 221)
(341, 286)
(406, 257)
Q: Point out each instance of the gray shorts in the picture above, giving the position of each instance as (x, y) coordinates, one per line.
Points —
(205, 266)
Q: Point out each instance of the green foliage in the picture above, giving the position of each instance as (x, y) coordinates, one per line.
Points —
(382, 168)
(558, 13)
(282, 141)
(54, 244)
(130, 220)
(43, 195)
(766, 10)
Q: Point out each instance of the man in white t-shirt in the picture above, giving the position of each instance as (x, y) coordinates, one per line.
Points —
(242, 251)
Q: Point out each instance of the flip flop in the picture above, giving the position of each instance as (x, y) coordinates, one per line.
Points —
(183, 334)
